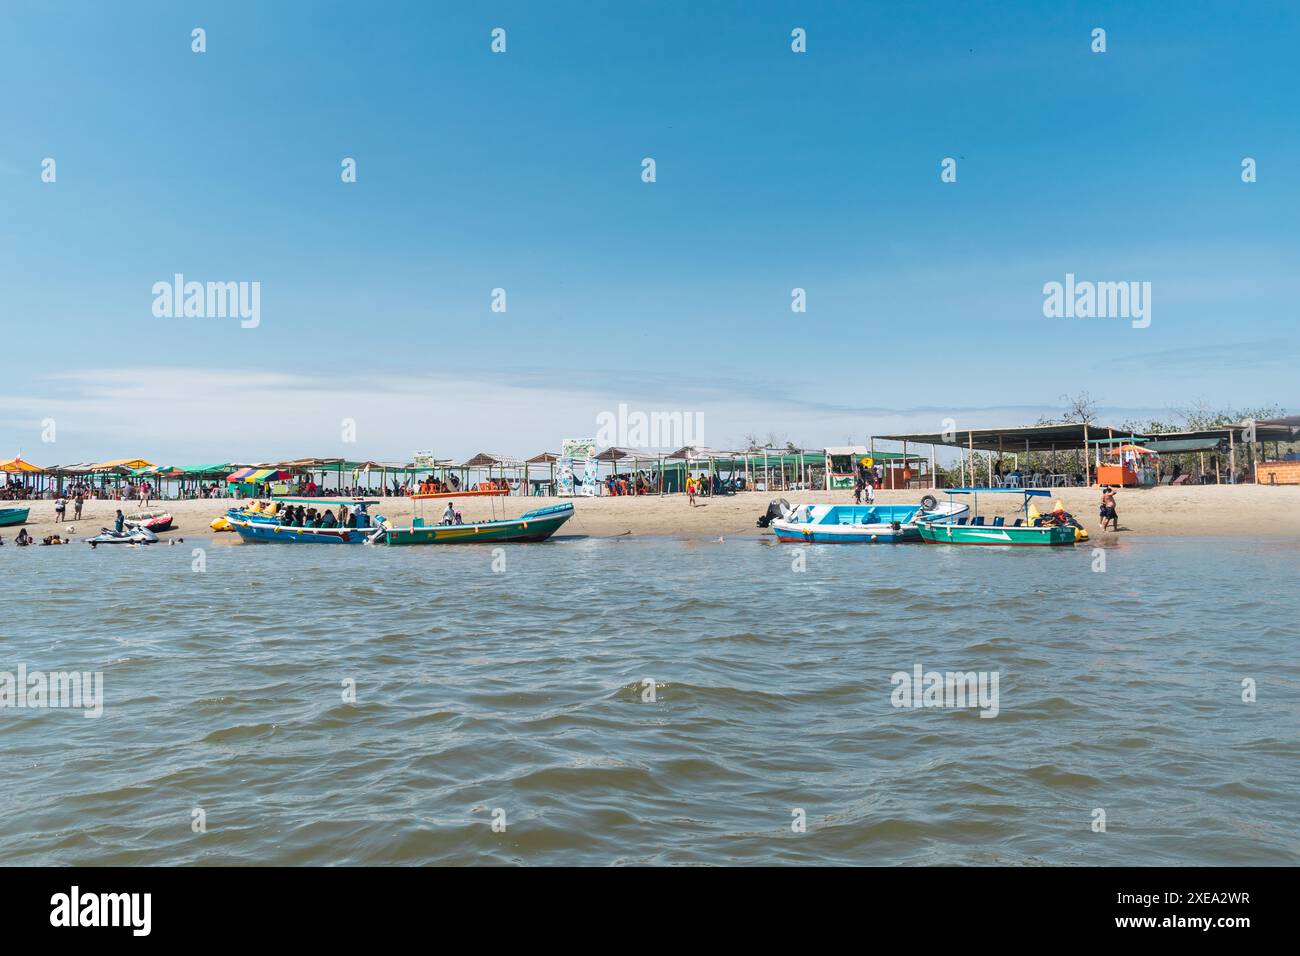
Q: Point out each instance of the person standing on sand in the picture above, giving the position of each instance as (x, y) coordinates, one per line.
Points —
(1108, 513)
(76, 506)
(60, 506)
(690, 490)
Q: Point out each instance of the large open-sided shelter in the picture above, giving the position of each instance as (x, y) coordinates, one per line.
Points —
(1091, 439)
(32, 476)
(1010, 442)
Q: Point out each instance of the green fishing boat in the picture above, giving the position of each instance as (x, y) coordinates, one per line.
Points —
(12, 516)
(1028, 531)
(535, 525)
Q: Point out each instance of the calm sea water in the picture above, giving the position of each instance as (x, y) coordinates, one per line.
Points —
(521, 692)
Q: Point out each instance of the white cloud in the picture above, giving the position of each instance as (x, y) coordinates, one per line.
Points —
(188, 416)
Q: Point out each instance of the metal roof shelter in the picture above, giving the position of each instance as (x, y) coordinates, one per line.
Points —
(1176, 446)
(1065, 436)
(1015, 439)
(1285, 429)
(1239, 434)
(1061, 436)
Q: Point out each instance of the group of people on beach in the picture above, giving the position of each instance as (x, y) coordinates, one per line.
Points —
(637, 484)
(865, 479)
(61, 506)
(78, 502)
(710, 485)
(15, 490)
(698, 485)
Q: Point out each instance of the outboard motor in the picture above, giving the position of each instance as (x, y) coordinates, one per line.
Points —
(776, 508)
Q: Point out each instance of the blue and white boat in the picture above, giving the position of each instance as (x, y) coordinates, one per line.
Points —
(264, 525)
(862, 524)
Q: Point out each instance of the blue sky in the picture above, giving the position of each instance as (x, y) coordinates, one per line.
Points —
(522, 171)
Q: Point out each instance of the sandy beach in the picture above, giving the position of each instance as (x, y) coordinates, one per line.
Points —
(1240, 510)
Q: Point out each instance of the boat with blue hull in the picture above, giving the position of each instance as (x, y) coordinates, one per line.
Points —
(277, 522)
(861, 524)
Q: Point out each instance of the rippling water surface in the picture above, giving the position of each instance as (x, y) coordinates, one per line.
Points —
(523, 691)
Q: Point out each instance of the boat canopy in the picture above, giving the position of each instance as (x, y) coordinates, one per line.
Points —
(291, 499)
(1027, 492)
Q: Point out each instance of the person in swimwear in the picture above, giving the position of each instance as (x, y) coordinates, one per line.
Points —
(1108, 513)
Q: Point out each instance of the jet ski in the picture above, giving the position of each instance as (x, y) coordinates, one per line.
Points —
(134, 536)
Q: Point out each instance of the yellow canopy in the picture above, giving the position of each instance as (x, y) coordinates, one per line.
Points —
(15, 465)
(122, 463)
